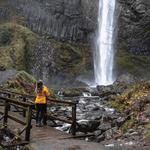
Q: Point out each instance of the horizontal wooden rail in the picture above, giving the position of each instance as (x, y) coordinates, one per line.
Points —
(14, 118)
(24, 104)
(3, 91)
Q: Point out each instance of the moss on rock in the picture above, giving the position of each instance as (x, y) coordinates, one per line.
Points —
(15, 42)
(147, 135)
(72, 59)
(22, 82)
(138, 65)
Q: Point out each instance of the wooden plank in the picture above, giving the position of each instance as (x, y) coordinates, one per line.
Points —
(18, 106)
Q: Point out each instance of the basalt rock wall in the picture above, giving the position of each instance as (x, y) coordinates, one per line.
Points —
(65, 20)
(134, 26)
(76, 20)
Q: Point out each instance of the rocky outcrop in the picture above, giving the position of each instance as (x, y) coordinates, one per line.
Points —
(73, 20)
(58, 62)
(134, 26)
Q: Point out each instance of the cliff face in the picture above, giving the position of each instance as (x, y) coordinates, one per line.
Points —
(66, 20)
(75, 20)
(134, 26)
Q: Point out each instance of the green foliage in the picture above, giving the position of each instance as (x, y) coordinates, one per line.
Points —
(133, 93)
(128, 124)
(1, 148)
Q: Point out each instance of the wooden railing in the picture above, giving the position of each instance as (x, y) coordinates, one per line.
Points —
(30, 99)
(22, 105)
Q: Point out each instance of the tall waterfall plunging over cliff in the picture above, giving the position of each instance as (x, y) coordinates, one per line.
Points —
(104, 55)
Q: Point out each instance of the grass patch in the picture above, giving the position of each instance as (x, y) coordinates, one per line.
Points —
(128, 124)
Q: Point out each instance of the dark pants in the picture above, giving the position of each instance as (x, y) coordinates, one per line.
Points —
(45, 115)
(41, 113)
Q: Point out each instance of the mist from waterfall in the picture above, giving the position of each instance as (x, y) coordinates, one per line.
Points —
(104, 54)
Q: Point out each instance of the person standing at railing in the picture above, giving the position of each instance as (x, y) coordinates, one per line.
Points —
(42, 93)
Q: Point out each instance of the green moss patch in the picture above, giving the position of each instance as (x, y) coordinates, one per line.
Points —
(15, 42)
(22, 82)
(138, 65)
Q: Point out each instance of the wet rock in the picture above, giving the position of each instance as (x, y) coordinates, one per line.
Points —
(87, 126)
(100, 138)
(121, 120)
(105, 126)
(97, 133)
(131, 132)
(73, 92)
(126, 79)
(108, 134)
(6, 74)
(2, 68)
(105, 91)
(96, 108)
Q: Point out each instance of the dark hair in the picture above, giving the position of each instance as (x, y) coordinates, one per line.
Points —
(39, 86)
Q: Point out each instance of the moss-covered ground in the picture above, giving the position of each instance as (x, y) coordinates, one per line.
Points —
(133, 100)
(132, 94)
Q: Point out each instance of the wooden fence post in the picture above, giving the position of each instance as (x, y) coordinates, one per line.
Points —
(29, 116)
(24, 111)
(9, 107)
(74, 120)
(6, 113)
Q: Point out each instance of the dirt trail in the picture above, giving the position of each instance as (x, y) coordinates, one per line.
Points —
(47, 138)
(67, 144)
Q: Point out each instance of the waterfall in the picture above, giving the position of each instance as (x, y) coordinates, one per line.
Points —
(104, 54)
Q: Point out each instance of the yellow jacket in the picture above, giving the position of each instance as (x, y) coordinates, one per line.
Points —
(41, 98)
